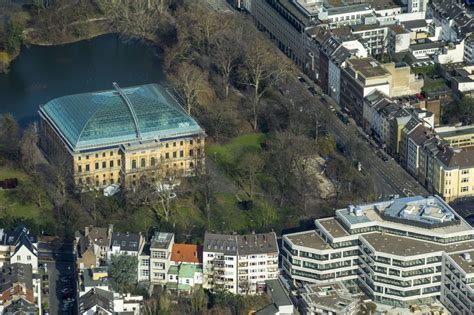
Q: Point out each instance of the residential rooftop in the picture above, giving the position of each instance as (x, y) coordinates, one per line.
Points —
(368, 67)
(161, 240)
(187, 253)
(251, 244)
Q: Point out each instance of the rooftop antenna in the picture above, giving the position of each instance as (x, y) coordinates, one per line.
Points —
(130, 107)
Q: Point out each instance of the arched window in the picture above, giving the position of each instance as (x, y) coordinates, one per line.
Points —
(142, 163)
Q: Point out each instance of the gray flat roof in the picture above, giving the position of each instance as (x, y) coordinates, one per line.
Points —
(349, 9)
(308, 239)
(467, 266)
(333, 227)
(405, 246)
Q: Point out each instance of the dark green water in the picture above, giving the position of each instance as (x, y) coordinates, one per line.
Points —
(40, 74)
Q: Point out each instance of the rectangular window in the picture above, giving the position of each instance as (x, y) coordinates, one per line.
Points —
(191, 142)
(111, 164)
(104, 164)
(134, 164)
(181, 153)
(181, 143)
(79, 168)
(96, 165)
(28, 257)
(103, 154)
(174, 154)
(118, 162)
(174, 144)
(464, 172)
(79, 158)
(167, 145)
(191, 152)
(111, 153)
(167, 155)
(87, 168)
(465, 180)
(87, 157)
(464, 189)
(96, 155)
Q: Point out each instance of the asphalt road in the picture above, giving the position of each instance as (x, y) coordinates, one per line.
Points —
(59, 263)
(389, 177)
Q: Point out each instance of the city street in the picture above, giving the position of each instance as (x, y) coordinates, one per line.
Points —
(58, 262)
(389, 177)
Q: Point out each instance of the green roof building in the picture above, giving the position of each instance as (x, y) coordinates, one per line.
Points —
(109, 135)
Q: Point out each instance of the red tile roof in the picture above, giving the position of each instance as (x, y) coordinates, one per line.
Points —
(188, 253)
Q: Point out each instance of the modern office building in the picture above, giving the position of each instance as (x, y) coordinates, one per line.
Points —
(395, 250)
(120, 135)
(239, 263)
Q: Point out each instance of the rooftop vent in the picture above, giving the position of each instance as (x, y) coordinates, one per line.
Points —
(466, 256)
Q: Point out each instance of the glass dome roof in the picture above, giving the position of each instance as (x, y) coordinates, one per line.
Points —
(106, 118)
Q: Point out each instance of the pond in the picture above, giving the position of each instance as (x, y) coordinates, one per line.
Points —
(40, 74)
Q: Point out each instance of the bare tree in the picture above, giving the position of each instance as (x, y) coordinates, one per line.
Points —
(250, 165)
(28, 147)
(205, 188)
(134, 18)
(189, 80)
(156, 196)
(226, 51)
(263, 69)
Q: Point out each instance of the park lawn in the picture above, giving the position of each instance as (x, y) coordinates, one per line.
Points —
(227, 153)
(16, 210)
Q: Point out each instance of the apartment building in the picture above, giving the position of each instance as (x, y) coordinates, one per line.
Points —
(20, 290)
(285, 22)
(359, 78)
(374, 35)
(442, 161)
(92, 246)
(120, 135)
(257, 261)
(394, 249)
(130, 244)
(339, 16)
(96, 295)
(185, 271)
(19, 246)
(239, 263)
(161, 245)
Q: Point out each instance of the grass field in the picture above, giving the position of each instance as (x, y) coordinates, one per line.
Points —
(229, 152)
(13, 210)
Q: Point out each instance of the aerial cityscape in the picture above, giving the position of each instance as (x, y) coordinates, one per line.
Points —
(234, 157)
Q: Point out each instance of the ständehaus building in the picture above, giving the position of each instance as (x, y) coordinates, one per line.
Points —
(395, 250)
(120, 135)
